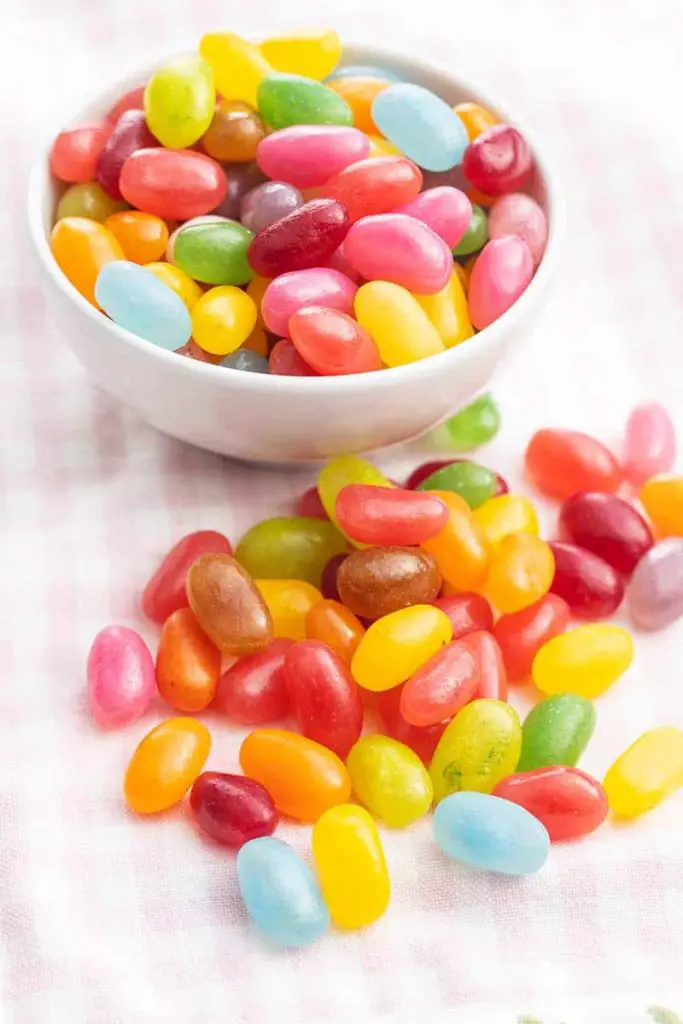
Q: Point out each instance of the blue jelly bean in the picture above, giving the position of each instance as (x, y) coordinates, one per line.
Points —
(491, 833)
(364, 71)
(245, 359)
(281, 893)
(422, 125)
(143, 304)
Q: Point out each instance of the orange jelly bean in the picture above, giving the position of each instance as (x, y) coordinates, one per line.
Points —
(475, 118)
(81, 247)
(228, 606)
(360, 91)
(459, 549)
(289, 602)
(188, 665)
(304, 778)
(142, 236)
(337, 626)
(662, 499)
(165, 764)
(563, 462)
(521, 572)
(256, 342)
(257, 289)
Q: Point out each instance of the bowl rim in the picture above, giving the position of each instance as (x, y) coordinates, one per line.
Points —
(447, 361)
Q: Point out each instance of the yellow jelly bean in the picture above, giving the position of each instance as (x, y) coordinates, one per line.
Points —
(478, 748)
(459, 549)
(399, 325)
(662, 498)
(238, 65)
(382, 147)
(521, 572)
(399, 644)
(180, 100)
(507, 514)
(289, 602)
(312, 54)
(176, 279)
(448, 311)
(349, 859)
(650, 770)
(223, 319)
(339, 473)
(475, 118)
(585, 660)
(390, 779)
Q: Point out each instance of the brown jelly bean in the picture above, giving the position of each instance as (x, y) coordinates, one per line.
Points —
(377, 581)
(228, 606)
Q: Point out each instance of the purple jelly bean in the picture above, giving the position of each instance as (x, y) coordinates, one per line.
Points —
(242, 178)
(655, 592)
(267, 203)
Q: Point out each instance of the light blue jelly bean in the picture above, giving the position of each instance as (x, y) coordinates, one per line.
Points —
(365, 71)
(144, 305)
(422, 125)
(245, 359)
(281, 893)
(491, 833)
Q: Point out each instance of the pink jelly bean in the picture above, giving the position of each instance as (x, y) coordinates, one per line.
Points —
(447, 211)
(650, 443)
(403, 250)
(320, 286)
(503, 270)
(120, 676)
(338, 261)
(519, 214)
(130, 134)
(134, 99)
(307, 155)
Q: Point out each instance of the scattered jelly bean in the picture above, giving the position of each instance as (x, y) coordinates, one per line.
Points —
(421, 740)
(333, 343)
(289, 547)
(223, 319)
(246, 361)
(504, 515)
(253, 691)
(343, 471)
(318, 286)
(561, 463)
(166, 591)
(491, 834)
(228, 606)
(568, 802)
(268, 203)
(422, 125)
(468, 613)
(165, 764)
(238, 65)
(304, 778)
(396, 247)
(142, 236)
(329, 577)
(460, 550)
(364, 71)
(242, 178)
(178, 281)
(521, 634)
(231, 809)
(655, 593)
(303, 239)
(442, 686)
(520, 215)
(380, 580)
(646, 773)
(214, 252)
(589, 585)
(448, 311)
(395, 320)
(498, 161)
(446, 210)
(234, 133)
(474, 425)
(556, 731)
(179, 101)
(475, 484)
(75, 152)
(335, 625)
(325, 699)
(142, 304)
(81, 249)
(586, 660)
(289, 602)
(390, 779)
(87, 199)
(376, 185)
(389, 516)
(478, 748)
(489, 657)
(475, 118)
(662, 499)
(280, 893)
(521, 572)
(175, 184)
(476, 234)
(502, 272)
(609, 527)
(315, 54)
(349, 859)
(188, 664)
(284, 100)
(397, 645)
(120, 676)
(308, 155)
(286, 361)
(133, 99)
(649, 444)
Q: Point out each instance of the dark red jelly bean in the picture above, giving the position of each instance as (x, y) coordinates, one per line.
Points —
(303, 239)
(467, 612)
(498, 161)
(442, 686)
(310, 506)
(520, 634)
(328, 582)
(388, 516)
(254, 689)
(165, 593)
(325, 698)
(231, 808)
(422, 739)
(286, 361)
(609, 527)
(567, 801)
(591, 587)
(488, 655)
(130, 134)
(427, 468)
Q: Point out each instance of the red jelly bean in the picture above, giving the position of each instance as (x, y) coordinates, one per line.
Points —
(422, 739)
(563, 462)
(129, 135)
(310, 506)
(498, 161)
(443, 685)
(75, 152)
(286, 361)
(376, 185)
(325, 698)
(328, 583)
(165, 593)
(305, 238)
(488, 655)
(567, 801)
(427, 468)
(175, 184)
(333, 343)
(254, 689)
(521, 634)
(232, 809)
(134, 99)
(384, 516)
(468, 613)
(591, 587)
(609, 527)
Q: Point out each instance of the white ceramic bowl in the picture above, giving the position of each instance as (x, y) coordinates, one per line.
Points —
(289, 419)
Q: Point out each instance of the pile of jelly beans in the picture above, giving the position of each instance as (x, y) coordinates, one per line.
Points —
(267, 208)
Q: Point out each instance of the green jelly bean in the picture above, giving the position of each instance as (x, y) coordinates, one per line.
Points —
(290, 548)
(474, 483)
(180, 101)
(474, 425)
(214, 252)
(285, 100)
(88, 199)
(556, 731)
(476, 235)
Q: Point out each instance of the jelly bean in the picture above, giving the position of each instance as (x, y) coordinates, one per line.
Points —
(609, 527)
(142, 304)
(556, 731)
(178, 281)
(649, 445)
(351, 867)
(268, 203)
(426, 469)
(329, 578)
(459, 550)
(310, 506)
(142, 236)
(586, 660)
(474, 425)
(389, 778)
(447, 310)
(423, 741)
(476, 234)
(318, 286)
(442, 686)
(498, 161)
(280, 893)
(166, 591)
(193, 351)
(234, 133)
(360, 93)
(285, 100)
(325, 699)
(591, 587)
(286, 361)
(376, 185)
(228, 606)
(655, 593)
(332, 343)
(314, 54)
(446, 210)
(214, 252)
(165, 764)
(309, 155)
(521, 572)
(180, 99)
(382, 147)
(489, 657)
(646, 773)
(81, 248)
(388, 516)
(75, 152)
(422, 125)
(469, 613)
(364, 71)
(246, 361)
(238, 65)
(520, 215)
(335, 625)
(521, 634)
(303, 239)
(477, 749)
(303, 777)
(502, 516)
(258, 341)
(491, 834)
(188, 665)
(561, 463)
(397, 645)
(173, 184)
(289, 602)
(130, 134)
(231, 809)
(473, 483)
(223, 319)
(399, 326)
(87, 199)
(502, 272)
(242, 178)
(568, 802)
(254, 690)
(475, 118)
(662, 498)
(396, 247)
(343, 471)
(289, 547)
(133, 99)
(378, 581)
(120, 676)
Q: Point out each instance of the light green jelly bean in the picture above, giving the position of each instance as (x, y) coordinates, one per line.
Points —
(88, 199)
(474, 483)
(474, 425)
(214, 253)
(476, 235)
(285, 100)
(180, 101)
(556, 731)
(290, 548)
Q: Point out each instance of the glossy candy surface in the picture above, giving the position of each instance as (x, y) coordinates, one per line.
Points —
(655, 592)
(315, 54)
(75, 152)
(319, 286)
(459, 549)
(448, 312)
(491, 834)
(646, 773)
(165, 764)
(397, 645)
(179, 101)
(242, 178)
(342, 471)
(228, 606)
(223, 319)
(81, 248)
(476, 234)
(133, 99)
(520, 215)
(289, 547)
(285, 100)
(360, 92)
(87, 199)
(380, 580)
(478, 748)
(649, 444)
(561, 463)
(389, 516)
(333, 343)
(232, 809)
(329, 578)
(397, 323)
(498, 161)
(390, 779)
(289, 602)
(504, 515)
(166, 591)
(375, 185)
(475, 118)
(214, 252)
(442, 686)
(238, 65)
(422, 125)
(489, 658)
(501, 273)
(586, 660)
(142, 236)
(468, 613)
(589, 585)
(422, 740)
(176, 279)
(521, 634)
(335, 625)
(308, 155)
(662, 498)
(246, 361)
(521, 572)
(253, 691)
(398, 248)
(325, 699)
(286, 361)
(568, 802)
(188, 664)
(446, 210)
(301, 240)
(142, 304)
(473, 483)
(120, 676)
(609, 527)
(474, 425)
(427, 468)
(234, 133)
(556, 731)
(175, 184)
(267, 203)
